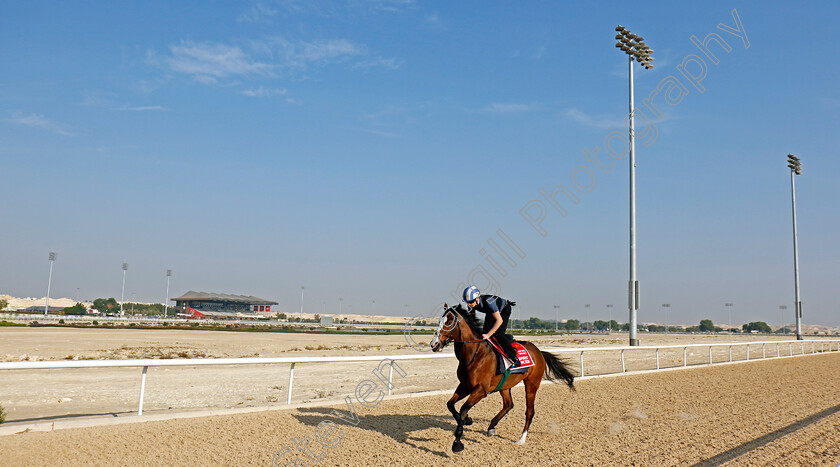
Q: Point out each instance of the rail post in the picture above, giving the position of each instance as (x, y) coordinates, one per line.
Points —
(622, 361)
(581, 361)
(142, 390)
(730, 354)
(390, 376)
(710, 355)
(763, 350)
(685, 356)
(748, 352)
(657, 359)
(291, 378)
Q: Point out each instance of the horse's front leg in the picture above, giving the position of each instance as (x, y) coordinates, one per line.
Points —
(461, 392)
(476, 395)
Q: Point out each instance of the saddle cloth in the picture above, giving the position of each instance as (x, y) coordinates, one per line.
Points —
(522, 354)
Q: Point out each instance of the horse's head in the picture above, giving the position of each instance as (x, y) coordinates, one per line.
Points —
(447, 328)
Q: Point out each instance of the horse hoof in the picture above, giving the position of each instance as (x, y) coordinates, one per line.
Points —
(457, 446)
(491, 432)
(468, 421)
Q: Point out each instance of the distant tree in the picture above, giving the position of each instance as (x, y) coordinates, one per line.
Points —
(281, 315)
(104, 305)
(601, 325)
(759, 326)
(3, 303)
(77, 309)
(706, 325)
(572, 325)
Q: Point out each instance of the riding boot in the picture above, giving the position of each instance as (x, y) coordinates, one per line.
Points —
(510, 353)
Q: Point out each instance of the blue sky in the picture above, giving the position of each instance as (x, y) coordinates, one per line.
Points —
(369, 149)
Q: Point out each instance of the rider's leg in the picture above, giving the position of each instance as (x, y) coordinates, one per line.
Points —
(506, 345)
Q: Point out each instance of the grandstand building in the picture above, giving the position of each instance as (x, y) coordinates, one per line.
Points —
(203, 305)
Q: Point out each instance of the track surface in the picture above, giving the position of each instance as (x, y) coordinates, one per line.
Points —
(780, 412)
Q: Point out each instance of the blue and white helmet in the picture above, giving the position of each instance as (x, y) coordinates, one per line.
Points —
(471, 293)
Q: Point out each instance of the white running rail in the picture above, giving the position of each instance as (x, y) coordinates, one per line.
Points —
(793, 348)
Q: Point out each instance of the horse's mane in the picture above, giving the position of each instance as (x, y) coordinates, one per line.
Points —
(469, 317)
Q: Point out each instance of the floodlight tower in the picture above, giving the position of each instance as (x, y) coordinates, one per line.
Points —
(53, 256)
(122, 295)
(635, 48)
(301, 303)
(729, 310)
(795, 169)
(166, 300)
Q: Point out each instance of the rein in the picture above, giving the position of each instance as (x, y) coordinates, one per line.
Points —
(449, 338)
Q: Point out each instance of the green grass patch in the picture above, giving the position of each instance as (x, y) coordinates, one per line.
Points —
(7, 323)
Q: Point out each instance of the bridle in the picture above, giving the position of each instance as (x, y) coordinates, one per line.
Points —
(449, 338)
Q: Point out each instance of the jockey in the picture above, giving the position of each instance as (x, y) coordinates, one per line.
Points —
(497, 311)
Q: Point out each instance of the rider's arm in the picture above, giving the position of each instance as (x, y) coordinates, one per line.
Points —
(496, 326)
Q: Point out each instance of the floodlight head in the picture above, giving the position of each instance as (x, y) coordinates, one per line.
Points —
(649, 67)
(619, 28)
(631, 35)
(125, 266)
(53, 256)
(168, 273)
(618, 36)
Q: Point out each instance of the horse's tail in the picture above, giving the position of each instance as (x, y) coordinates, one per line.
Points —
(556, 369)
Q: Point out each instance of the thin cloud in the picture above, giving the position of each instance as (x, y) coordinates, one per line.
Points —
(213, 61)
(264, 92)
(595, 122)
(324, 51)
(257, 13)
(507, 108)
(147, 108)
(373, 131)
(219, 64)
(392, 6)
(380, 62)
(39, 121)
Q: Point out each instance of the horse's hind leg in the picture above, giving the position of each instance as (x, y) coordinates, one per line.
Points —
(530, 394)
(460, 392)
(507, 404)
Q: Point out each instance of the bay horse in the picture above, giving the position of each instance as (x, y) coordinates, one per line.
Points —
(477, 375)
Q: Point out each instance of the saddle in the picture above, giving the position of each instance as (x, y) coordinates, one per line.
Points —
(504, 364)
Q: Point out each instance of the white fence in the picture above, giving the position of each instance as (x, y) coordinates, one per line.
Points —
(794, 348)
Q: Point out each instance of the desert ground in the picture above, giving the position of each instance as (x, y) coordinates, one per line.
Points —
(763, 412)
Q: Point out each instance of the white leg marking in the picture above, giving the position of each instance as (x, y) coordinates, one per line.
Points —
(522, 439)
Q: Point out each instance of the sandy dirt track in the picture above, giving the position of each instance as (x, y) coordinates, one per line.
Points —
(772, 412)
